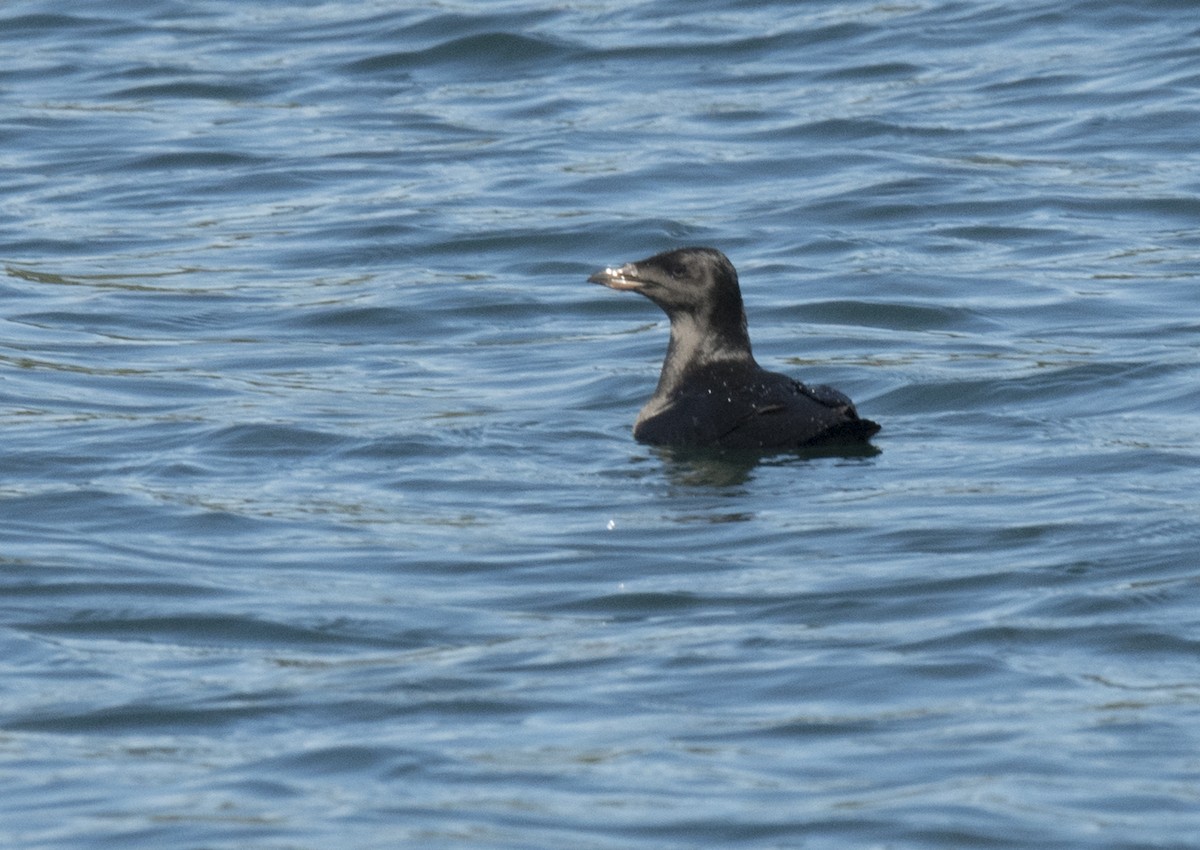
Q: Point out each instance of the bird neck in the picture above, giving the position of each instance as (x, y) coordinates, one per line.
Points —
(696, 345)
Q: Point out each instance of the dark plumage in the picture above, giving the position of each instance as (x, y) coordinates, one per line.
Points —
(711, 391)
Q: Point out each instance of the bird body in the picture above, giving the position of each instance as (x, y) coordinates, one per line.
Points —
(711, 391)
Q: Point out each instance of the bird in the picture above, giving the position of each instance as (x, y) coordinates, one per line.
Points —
(711, 392)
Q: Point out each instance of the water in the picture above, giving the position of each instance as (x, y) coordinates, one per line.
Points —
(320, 519)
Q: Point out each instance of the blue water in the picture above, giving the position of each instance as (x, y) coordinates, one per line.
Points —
(321, 524)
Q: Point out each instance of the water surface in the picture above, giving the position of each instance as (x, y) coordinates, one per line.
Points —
(320, 518)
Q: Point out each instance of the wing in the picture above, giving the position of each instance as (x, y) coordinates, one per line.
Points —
(781, 412)
(759, 410)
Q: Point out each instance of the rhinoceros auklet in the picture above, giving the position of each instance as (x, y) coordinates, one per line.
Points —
(711, 391)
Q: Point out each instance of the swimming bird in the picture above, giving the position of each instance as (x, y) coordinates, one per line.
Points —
(712, 392)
